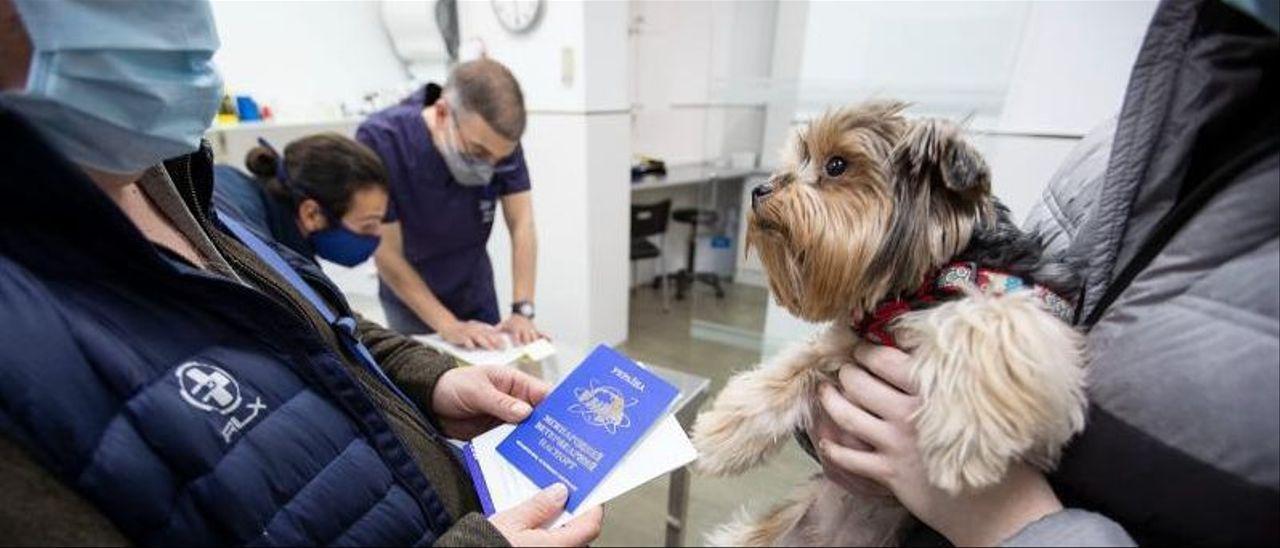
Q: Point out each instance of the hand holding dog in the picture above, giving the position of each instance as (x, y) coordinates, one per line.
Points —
(863, 429)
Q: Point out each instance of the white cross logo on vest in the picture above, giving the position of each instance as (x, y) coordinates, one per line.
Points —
(210, 388)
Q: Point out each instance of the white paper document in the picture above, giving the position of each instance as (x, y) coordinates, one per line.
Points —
(537, 350)
(662, 450)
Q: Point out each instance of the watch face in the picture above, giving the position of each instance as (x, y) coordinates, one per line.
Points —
(525, 309)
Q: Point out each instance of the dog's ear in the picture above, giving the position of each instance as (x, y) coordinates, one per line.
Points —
(934, 152)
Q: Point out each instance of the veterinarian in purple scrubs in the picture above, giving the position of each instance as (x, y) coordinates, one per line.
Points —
(1171, 213)
(452, 155)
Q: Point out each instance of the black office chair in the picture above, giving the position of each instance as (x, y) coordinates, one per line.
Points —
(650, 220)
(685, 279)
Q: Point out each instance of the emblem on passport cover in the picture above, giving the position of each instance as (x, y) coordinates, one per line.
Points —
(588, 423)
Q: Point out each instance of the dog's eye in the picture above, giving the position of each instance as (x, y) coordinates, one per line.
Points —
(836, 166)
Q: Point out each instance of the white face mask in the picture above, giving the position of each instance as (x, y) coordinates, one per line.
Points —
(466, 170)
(131, 93)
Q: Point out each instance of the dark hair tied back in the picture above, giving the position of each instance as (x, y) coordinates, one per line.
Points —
(328, 168)
(262, 161)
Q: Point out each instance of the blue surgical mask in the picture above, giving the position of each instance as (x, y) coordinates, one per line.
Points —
(119, 86)
(341, 245)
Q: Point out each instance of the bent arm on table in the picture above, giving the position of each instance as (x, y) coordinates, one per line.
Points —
(413, 291)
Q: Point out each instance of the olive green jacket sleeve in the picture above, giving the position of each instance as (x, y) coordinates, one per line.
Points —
(38, 509)
(416, 368)
(413, 366)
(472, 530)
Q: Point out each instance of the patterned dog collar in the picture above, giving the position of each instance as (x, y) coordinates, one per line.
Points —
(948, 283)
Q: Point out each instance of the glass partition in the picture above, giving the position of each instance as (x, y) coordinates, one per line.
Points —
(1025, 79)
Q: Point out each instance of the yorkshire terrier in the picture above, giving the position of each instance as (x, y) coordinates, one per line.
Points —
(887, 227)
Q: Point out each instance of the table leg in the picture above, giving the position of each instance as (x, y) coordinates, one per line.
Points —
(677, 506)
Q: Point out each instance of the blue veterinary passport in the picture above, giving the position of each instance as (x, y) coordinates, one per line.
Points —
(588, 423)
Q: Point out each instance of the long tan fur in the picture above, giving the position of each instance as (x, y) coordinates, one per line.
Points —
(1000, 379)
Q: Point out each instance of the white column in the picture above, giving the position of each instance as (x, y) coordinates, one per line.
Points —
(573, 70)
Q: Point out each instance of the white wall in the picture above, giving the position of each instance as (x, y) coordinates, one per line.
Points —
(952, 57)
(1073, 65)
(573, 72)
(688, 59)
(1057, 94)
(305, 58)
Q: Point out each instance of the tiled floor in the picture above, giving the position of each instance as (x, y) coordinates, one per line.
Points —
(637, 519)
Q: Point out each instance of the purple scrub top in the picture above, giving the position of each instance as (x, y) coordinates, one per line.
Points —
(445, 225)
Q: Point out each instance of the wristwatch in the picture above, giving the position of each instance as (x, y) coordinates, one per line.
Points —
(523, 308)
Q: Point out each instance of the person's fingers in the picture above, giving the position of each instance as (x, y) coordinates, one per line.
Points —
(861, 424)
(832, 432)
(483, 335)
(494, 402)
(541, 508)
(485, 339)
(888, 363)
(855, 484)
(495, 336)
(518, 384)
(859, 463)
(580, 530)
(534, 389)
(467, 342)
(875, 395)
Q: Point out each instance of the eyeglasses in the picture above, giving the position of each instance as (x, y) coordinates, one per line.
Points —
(464, 145)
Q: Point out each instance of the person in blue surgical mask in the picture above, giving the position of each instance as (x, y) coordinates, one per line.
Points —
(324, 196)
(169, 375)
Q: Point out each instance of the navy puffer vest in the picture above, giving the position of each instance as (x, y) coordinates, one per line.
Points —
(189, 409)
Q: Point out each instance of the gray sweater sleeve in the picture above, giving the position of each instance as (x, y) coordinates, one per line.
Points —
(1071, 527)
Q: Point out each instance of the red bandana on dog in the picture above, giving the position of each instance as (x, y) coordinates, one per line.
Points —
(949, 283)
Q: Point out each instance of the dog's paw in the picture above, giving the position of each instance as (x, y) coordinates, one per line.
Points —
(751, 418)
(724, 448)
(1000, 380)
(782, 525)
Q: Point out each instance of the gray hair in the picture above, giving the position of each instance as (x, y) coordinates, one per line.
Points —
(485, 87)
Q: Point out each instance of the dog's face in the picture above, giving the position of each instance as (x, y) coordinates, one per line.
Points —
(866, 204)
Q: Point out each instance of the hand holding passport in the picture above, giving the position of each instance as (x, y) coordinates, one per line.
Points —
(523, 524)
(605, 430)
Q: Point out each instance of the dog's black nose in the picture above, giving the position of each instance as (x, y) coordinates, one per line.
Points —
(759, 193)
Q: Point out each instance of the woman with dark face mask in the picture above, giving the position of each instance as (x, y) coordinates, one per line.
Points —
(325, 196)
